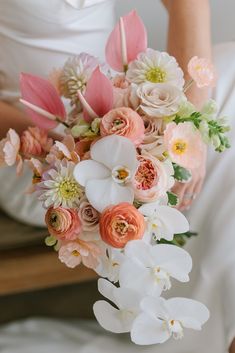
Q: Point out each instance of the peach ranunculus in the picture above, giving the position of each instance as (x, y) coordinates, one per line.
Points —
(184, 144)
(9, 151)
(123, 122)
(202, 72)
(75, 252)
(64, 224)
(120, 224)
(64, 149)
(153, 178)
(35, 141)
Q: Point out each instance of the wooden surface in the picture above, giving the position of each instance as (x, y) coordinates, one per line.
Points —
(34, 268)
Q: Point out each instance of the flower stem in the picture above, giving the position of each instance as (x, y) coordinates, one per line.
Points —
(188, 85)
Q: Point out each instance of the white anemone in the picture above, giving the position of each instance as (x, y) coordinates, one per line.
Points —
(149, 268)
(107, 176)
(127, 301)
(163, 221)
(162, 319)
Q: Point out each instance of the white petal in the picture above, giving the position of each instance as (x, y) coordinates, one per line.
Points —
(107, 289)
(105, 192)
(188, 311)
(87, 170)
(109, 317)
(113, 151)
(174, 220)
(147, 330)
(176, 261)
(155, 307)
(140, 251)
(129, 299)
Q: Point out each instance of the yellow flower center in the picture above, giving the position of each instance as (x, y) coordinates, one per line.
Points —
(180, 147)
(75, 253)
(156, 75)
(69, 189)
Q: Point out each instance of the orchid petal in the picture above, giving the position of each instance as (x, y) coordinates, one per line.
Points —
(139, 251)
(113, 151)
(42, 94)
(135, 38)
(107, 289)
(98, 95)
(147, 330)
(105, 192)
(89, 169)
(155, 307)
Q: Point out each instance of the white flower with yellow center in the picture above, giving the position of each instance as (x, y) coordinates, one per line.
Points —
(155, 67)
(107, 176)
(149, 268)
(161, 319)
(59, 188)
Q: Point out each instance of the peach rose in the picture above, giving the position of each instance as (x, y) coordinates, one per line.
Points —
(123, 122)
(202, 72)
(63, 223)
(120, 224)
(153, 178)
(35, 141)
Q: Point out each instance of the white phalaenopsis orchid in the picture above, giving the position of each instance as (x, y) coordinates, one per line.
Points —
(107, 175)
(126, 300)
(162, 319)
(109, 264)
(163, 221)
(148, 268)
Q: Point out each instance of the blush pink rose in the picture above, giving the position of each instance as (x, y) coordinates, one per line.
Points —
(184, 144)
(79, 251)
(120, 224)
(123, 122)
(63, 223)
(153, 178)
(89, 217)
(35, 141)
(202, 72)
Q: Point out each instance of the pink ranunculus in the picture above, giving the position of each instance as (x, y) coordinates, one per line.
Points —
(63, 223)
(153, 178)
(202, 72)
(35, 141)
(64, 149)
(89, 217)
(79, 251)
(120, 224)
(123, 122)
(184, 144)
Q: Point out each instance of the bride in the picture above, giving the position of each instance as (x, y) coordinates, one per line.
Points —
(36, 36)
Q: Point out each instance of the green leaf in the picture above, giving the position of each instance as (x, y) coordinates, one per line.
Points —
(179, 239)
(172, 199)
(181, 174)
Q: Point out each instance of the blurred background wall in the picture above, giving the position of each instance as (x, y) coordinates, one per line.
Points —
(155, 19)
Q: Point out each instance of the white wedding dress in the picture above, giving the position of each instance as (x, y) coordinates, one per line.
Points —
(34, 37)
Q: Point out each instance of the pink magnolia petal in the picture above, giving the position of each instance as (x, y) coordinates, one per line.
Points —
(136, 41)
(99, 94)
(42, 94)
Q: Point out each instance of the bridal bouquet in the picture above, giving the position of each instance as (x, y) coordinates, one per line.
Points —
(106, 185)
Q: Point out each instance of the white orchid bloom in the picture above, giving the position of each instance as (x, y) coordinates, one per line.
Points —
(109, 264)
(107, 176)
(163, 221)
(162, 319)
(148, 268)
(126, 300)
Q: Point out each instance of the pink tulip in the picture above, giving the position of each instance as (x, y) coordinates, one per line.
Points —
(44, 105)
(98, 99)
(126, 41)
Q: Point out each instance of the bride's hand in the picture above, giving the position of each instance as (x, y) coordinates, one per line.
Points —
(187, 192)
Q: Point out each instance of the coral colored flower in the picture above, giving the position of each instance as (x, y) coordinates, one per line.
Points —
(63, 223)
(202, 72)
(83, 147)
(64, 149)
(89, 216)
(74, 253)
(184, 144)
(153, 178)
(120, 224)
(35, 141)
(123, 122)
(9, 151)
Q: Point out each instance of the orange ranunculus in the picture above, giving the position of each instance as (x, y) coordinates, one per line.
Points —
(120, 224)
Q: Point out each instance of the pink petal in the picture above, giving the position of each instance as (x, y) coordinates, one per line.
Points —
(136, 41)
(42, 94)
(99, 94)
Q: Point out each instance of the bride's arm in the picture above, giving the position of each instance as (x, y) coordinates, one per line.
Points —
(189, 35)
